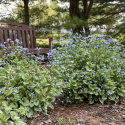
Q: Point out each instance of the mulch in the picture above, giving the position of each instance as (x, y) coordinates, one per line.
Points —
(81, 114)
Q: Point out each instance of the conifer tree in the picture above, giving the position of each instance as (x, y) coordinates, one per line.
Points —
(84, 13)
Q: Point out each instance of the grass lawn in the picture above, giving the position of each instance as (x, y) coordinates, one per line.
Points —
(44, 43)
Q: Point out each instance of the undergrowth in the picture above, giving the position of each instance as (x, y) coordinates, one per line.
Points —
(90, 68)
(83, 68)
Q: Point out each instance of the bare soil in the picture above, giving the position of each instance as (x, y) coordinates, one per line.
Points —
(81, 114)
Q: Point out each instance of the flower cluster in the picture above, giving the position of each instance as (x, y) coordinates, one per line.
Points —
(24, 82)
(90, 68)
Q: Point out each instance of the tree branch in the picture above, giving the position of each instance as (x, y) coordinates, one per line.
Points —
(89, 7)
(85, 6)
(18, 5)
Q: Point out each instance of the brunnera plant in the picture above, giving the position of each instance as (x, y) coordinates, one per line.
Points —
(91, 68)
(26, 87)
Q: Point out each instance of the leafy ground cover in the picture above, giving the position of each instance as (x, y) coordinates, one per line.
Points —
(81, 114)
(25, 88)
(90, 68)
(88, 71)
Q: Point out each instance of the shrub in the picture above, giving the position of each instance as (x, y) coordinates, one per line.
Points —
(91, 68)
(26, 87)
(121, 38)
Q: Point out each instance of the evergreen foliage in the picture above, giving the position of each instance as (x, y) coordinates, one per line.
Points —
(93, 12)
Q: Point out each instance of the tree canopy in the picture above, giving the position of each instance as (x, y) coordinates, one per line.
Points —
(79, 16)
(83, 13)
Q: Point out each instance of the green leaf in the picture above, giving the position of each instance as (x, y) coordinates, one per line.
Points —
(23, 76)
(31, 103)
(77, 97)
(21, 87)
(20, 122)
(33, 85)
(122, 94)
(25, 101)
(45, 108)
(37, 91)
(29, 113)
(85, 82)
(91, 101)
(37, 109)
(90, 92)
(101, 100)
(44, 90)
(1, 112)
(104, 97)
(25, 83)
(3, 117)
(36, 102)
(43, 99)
(21, 110)
(9, 123)
(7, 108)
(96, 93)
(13, 105)
(87, 68)
(51, 106)
(112, 97)
(14, 115)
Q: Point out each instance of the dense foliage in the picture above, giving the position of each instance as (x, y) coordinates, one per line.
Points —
(26, 88)
(83, 68)
(91, 68)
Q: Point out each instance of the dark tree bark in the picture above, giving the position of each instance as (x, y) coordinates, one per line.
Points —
(26, 9)
(85, 17)
(75, 12)
(86, 12)
(74, 8)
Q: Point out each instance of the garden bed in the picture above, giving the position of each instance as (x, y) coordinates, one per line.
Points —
(82, 114)
(91, 76)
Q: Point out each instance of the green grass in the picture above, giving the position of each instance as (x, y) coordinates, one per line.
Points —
(44, 43)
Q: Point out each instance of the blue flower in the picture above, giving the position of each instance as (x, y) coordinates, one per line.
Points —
(62, 101)
(90, 81)
(109, 93)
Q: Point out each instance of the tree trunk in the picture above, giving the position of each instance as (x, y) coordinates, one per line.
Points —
(74, 8)
(26, 9)
(74, 12)
(86, 28)
(86, 13)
